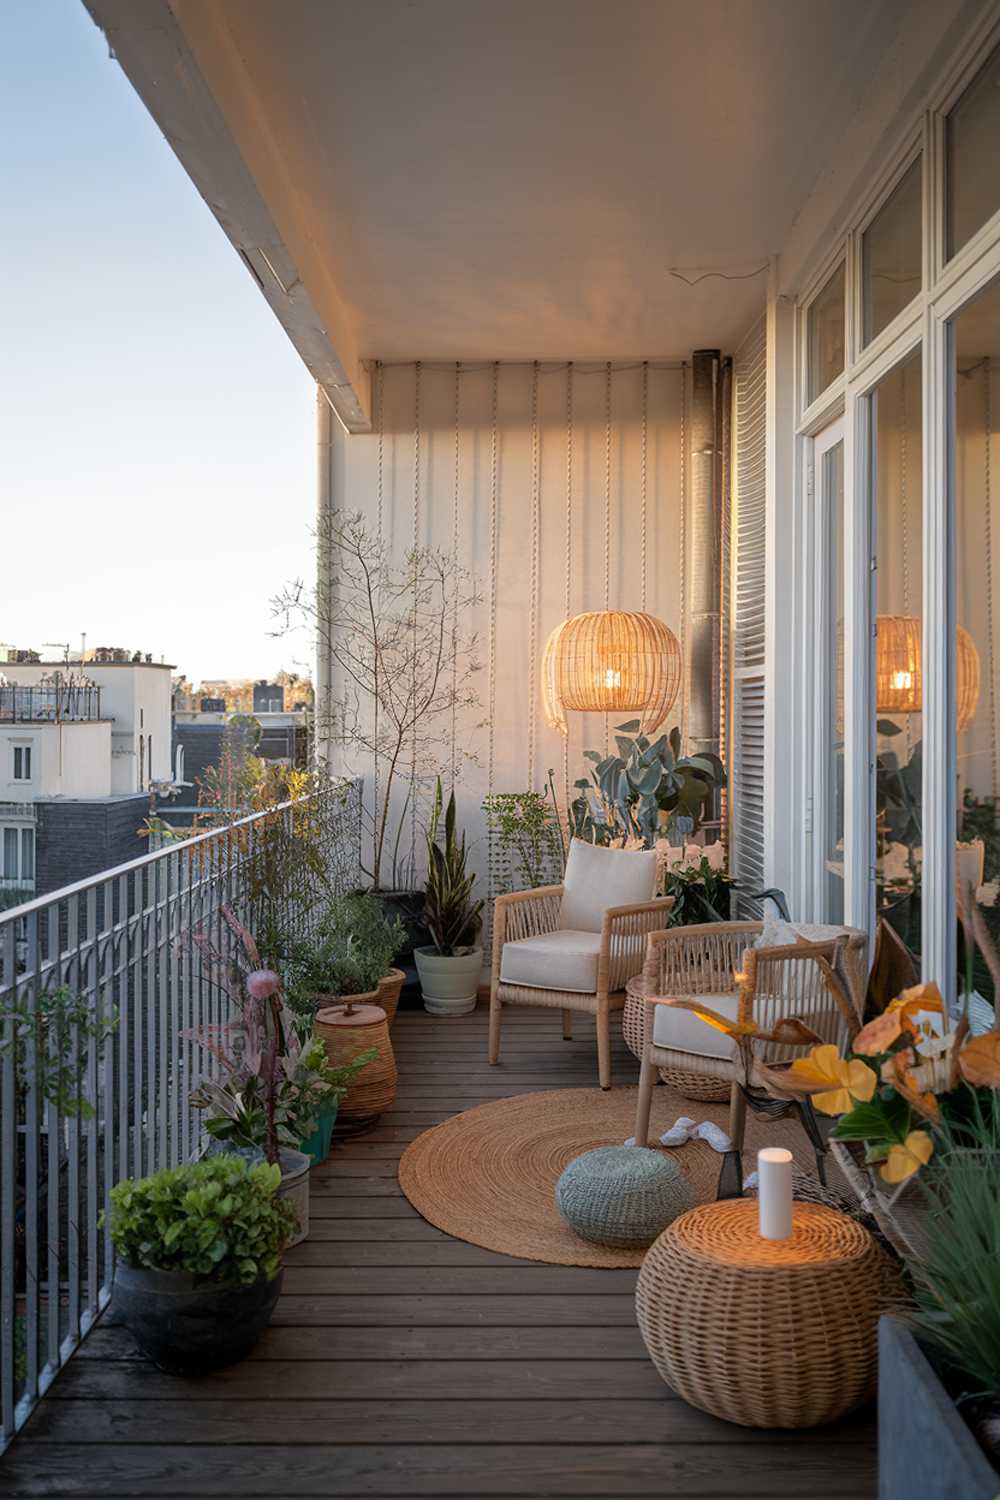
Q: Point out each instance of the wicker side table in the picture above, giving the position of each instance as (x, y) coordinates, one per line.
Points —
(766, 1333)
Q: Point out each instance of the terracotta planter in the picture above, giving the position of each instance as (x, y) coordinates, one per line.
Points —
(345, 1036)
(389, 987)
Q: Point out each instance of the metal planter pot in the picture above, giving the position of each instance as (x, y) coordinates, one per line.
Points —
(925, 1448)
(188, 1326)
(295, 1187)
(450, 984)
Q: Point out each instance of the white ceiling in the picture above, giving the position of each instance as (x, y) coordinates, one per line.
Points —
(471, 178)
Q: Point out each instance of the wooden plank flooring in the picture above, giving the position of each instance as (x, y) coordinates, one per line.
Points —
(403, 1363)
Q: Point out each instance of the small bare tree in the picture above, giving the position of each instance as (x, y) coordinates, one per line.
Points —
(402, 664)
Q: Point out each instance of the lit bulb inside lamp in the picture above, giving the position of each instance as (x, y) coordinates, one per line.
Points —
(612, 679)
(774, 1192)
(902, 681)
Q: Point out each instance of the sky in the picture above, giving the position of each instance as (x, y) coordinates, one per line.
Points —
(157, 429)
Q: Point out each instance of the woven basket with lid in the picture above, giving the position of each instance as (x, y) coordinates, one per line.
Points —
(345, 1035)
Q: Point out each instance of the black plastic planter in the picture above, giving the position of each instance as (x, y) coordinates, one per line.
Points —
(188, 1326)
(925, 1449)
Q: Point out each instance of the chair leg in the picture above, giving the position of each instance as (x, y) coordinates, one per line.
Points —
(494, 1026)
(567, 1016)
(737, 1117)
(603, 1048)
(647, 1077)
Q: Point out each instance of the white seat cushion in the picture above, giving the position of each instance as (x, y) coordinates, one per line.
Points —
(683, 1031)
(562, 960)
(597, 878)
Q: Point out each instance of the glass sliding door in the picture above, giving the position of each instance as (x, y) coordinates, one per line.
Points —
(975, 526)
(896, 478)
(828, 797)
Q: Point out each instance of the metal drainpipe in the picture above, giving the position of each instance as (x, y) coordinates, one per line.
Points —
(319, 751)
(704, 570)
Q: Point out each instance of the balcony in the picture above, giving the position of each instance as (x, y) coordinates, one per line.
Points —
(53, 702)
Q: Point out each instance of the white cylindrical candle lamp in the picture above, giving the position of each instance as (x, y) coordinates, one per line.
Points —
(774, 1192)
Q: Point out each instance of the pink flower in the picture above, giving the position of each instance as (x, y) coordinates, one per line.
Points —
(262, 984)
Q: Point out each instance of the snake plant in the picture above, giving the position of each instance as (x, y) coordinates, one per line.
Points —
(449, 910)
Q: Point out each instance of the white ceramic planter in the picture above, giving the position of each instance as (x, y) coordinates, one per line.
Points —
(450, 985)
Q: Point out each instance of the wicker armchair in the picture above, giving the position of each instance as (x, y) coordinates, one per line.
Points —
(717, 962)
(619, 949)
(704, 961)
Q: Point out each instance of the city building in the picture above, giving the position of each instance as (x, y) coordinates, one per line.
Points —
(82, 747)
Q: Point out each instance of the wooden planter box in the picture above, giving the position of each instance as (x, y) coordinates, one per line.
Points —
(925, 1449)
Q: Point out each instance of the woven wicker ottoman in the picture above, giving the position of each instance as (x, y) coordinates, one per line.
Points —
(766, 1333)
(622, 1195)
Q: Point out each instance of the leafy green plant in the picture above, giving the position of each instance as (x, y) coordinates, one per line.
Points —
(50, 1037)
(956, 1285)
(308, 1083)
(217, 1219)
(353, 950)
(647, 789)
(528, 836)
(451, 915)
(701, 893)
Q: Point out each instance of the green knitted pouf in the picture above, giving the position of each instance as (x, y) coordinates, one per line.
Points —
(622, 1195)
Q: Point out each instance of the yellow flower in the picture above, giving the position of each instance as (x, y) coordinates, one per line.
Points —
(842, 1083)
(908, 1158)
(879, 1035)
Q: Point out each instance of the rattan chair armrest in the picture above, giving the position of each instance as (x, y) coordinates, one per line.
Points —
(515, 911)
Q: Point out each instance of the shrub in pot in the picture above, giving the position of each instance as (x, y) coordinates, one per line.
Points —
(199, 1260)
(349, 958)
(450, 966)
(272, 1085)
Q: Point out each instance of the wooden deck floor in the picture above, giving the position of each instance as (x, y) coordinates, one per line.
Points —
(405, 1363)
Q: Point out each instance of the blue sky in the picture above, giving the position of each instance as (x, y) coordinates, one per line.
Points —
(156, 426)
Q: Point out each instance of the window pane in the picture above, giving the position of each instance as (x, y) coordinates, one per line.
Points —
(18, 763)
(27, 854)
(9, 871)
(976, 352)
(897, 533)
(825, 335)
(972, 144)
(832, 501)
(891, 256)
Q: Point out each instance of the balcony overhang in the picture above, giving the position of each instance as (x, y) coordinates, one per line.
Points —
(569, 179)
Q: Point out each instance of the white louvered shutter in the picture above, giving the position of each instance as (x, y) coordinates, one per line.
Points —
(748, 625)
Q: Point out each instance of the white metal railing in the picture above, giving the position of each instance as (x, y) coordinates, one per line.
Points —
(120, 950)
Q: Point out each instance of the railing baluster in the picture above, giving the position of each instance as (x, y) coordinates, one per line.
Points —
(121, 941)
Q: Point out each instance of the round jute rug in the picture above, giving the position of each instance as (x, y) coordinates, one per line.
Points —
(488, 1175)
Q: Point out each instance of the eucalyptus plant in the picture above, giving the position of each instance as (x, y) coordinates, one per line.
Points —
(644, 791)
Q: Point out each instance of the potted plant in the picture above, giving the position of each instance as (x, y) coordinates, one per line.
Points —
(351, 958)
(199, 1260)
(646, 791)
(404, 661)
(530, 847)
(451, 965)
(254, 1103)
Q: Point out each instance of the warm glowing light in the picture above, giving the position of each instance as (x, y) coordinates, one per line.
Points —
(899, 670)
(611, 661)
(901, 680)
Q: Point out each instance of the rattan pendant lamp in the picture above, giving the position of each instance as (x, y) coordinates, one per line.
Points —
(899, 687)
(610, 661)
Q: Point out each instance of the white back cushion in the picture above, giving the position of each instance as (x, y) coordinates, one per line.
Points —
(597, 878)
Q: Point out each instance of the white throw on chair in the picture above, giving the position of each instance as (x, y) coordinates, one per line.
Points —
(575, 946)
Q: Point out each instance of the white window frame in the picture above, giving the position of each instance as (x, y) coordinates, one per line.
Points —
(22, 746)
(20, 829)
(946, 288)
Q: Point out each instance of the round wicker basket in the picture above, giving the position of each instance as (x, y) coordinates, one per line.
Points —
(390, 988)
(766, 1333)
(697, 1086)
(344, 1036)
